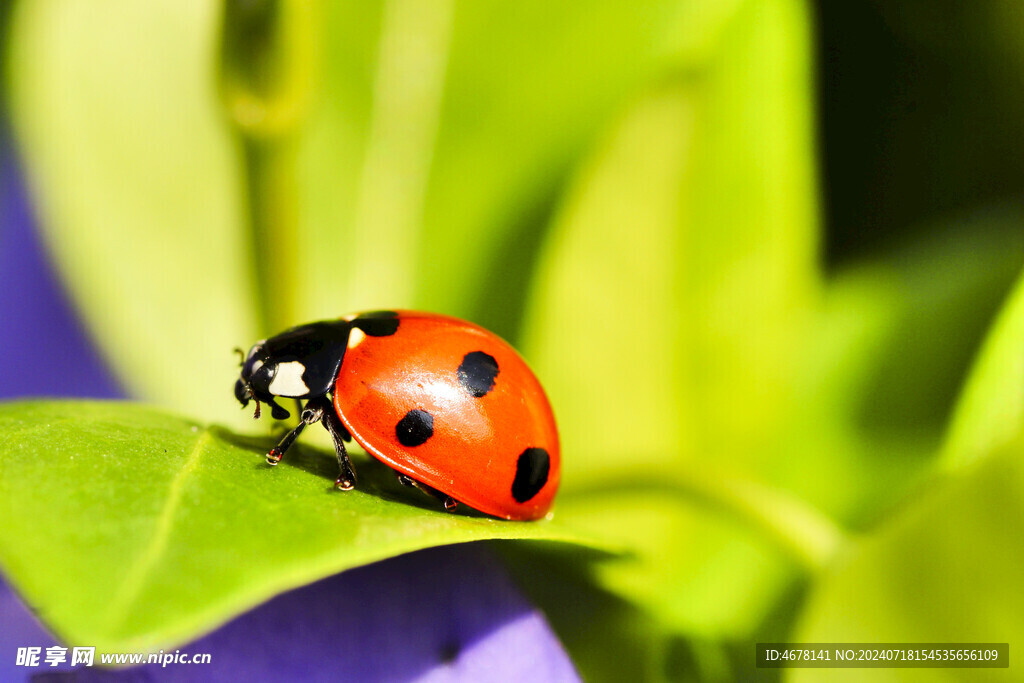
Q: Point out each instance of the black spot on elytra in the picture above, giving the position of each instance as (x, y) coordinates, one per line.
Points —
(377, 323)
(477, 373)
(415, 428)
(531, 474)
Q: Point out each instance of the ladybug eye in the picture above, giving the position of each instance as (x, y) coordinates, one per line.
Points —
(251, 367)
(260, 376)
(251, 361)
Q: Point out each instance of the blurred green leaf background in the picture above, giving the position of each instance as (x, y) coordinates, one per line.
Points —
(765, 256)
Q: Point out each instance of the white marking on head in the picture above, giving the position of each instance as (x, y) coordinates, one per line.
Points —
(288, 380)
(355, 337)
(256, 365)
(350, 317)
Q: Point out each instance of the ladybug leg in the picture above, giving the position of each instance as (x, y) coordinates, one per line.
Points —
(311, 413)
(446, 500)
(346, 480)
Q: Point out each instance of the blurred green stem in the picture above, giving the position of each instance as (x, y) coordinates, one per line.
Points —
(798, 529)
(271, 212)
(267, 57)
(809, 536)
(408, 91)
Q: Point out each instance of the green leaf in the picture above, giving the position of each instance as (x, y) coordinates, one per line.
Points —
(697, 539)
(990, 411)
(669, 315)
(945, 289)
(885, 361)
(430, 173)
(169, 528)
(946, 569)
(136, 188)
(681, 269)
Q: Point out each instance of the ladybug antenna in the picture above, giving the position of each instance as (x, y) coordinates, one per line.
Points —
(241, 356)
(256, 415)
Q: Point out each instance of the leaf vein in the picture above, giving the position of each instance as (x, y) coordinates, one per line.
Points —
(146, 560)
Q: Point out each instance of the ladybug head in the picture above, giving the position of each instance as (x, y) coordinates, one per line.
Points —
(255, 383)
(301, 362)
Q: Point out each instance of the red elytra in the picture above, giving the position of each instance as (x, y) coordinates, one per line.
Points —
(493, 448)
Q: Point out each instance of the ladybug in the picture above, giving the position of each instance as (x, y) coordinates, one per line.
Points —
(449, 406)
